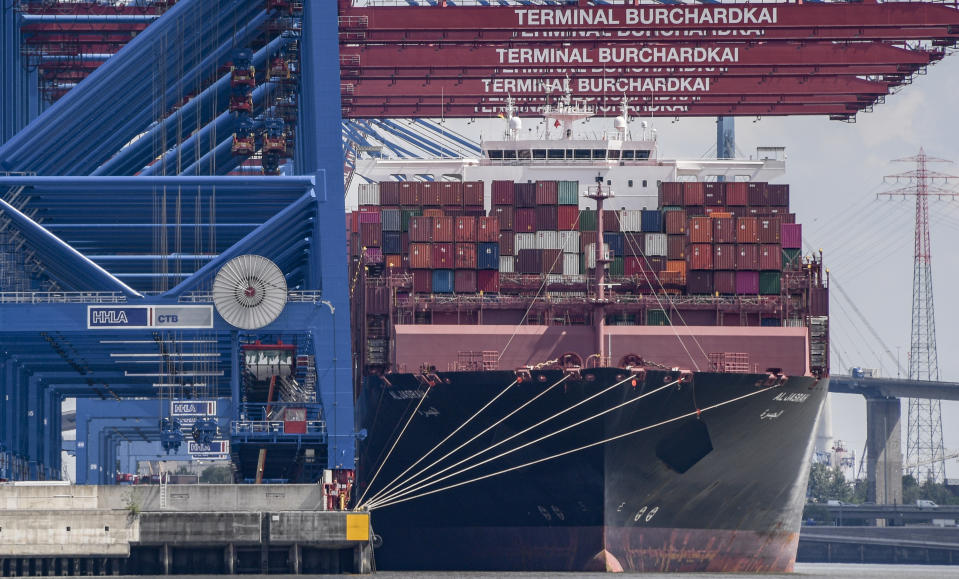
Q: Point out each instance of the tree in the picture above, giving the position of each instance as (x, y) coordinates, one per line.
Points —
(827, 483)
(217, 475)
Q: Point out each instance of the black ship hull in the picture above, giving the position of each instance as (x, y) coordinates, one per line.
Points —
(699, 473)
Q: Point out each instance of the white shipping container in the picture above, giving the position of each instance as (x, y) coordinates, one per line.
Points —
(591, 254)
(630, 220)
(570, 264)
(369, 194)
(548, 240)
(524, 241)
(569, 240)
(507, 264)
(656, 244)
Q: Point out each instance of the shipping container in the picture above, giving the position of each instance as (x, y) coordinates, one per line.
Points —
(724, 282)
(777, 195)
(392, 220)
(502, 193)
(373, 255)
(443, 281)
(747, 230)
(676, 266)
(571, 264)
(747, 256)
(397, 263)
(390, 193)
(443, 229)
(770, 257)
(700, 256)
(616, 267)
(747, 282)
(525, 220)
(587, 220)
(567, 218)
(368, 194)
(652, 221)
(465, 256)
(393, 242)
(737, 193)
(770, 230)
(487, 281)
(547, 217)
(657, 318)
(568, 193)
(421, 256)
(700, 230)
(769, 283)
(487, 229)
(724, 256)
(638, 266)
(524, 194)
(590, 255)
(724, 229)
(429, 195)
(505, 215)
(421, 229)
(787, 217)
(465, 230)
(523, 241)
(548, 240)
(448, 193)
(569, 241)
(474, 193)
(442, 255)
(670, 193)
(630, 220)
(464, 281)
(675, 221)
(410, 193)
(676, 246)
(507, 263)
(757, 194)
(507, 243)
(585, 238)
(487, 256)
(634, 244)
(791, 235)
(714, 193)
(610, 220)
(406, 214)
(423, 281)
(433, 212)
(615, 243)
(371, 234)
(792, 258)
(529, 261)
(699, 282)
(547, 193)
(655, 244)
(693, 193)
(368, 215)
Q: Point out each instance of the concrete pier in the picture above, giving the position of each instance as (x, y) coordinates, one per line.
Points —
(883, 451)
(209, 529)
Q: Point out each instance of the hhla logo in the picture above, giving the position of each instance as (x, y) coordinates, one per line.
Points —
(109, 317)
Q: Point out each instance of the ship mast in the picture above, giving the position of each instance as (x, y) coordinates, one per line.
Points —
(600, 301)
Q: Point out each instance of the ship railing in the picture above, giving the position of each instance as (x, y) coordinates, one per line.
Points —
(62, 298)
(238, 427)
(307, 296)
(651, 300)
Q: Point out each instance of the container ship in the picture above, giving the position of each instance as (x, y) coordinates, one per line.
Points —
(577, 356)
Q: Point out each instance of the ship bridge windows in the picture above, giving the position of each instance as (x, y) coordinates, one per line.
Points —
(494, 154)
(613, 153)
(636, 154)
(524, 154)
(556, 154)
(582, 154)
(539, 153)
(599, 153)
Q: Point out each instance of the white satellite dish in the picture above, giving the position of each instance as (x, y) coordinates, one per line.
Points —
(249, 292)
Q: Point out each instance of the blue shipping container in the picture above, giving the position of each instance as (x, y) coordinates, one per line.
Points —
(487, 256)
(443, 281)
(652, 221)
(392, 242)
(615, 242)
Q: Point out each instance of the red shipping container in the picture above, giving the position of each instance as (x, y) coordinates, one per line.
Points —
(459, 195)
(788, 217)
(724, 256)
(547, 193)
(421, 229)
(737, 193)
(524, 220)
(776, 195)
(503, 193)
(700, 230)
(724, 282)
(487, 281)
(711, 210)
(505, 215)
(567, 218)
(442, 255)
(747, 256)
(410, 193)
(371, 234)
(747, 230)
(390, 193)
(700, 256)
(464, 281)
(474, 192)
(757, 195)
(747, 282)
(421, 256)
(507, 241)
(434, 212)
(675, 221)
(529, 261)
(397, 263)
(430, 194)
(676, 246)
(611, 221)
(524, 194)
(713, 193)
(465, 256)
(770, 230)
(552, 261)
(465, 230)
(585, 239)
(693, 193)
(770, 257)
(638, 265)
(355, 245)
(724, 230)
(443, 230)
(474, 210)
(792, 235)
(634, 243)
(547, 217)
(423, 281)
(487, 229)
(670, 193)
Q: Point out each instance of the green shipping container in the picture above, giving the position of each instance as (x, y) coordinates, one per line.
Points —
(569, 192)
(617, 267)
(405, 217)
(769, 283)
(587, 220)
(657, 318)
(792, 258)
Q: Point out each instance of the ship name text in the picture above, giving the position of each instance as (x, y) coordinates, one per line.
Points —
(796, 397)
(664, 16)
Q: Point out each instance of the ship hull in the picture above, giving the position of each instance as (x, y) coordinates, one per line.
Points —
(707, 474)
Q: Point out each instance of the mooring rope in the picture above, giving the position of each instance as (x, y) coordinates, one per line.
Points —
(696, 412)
